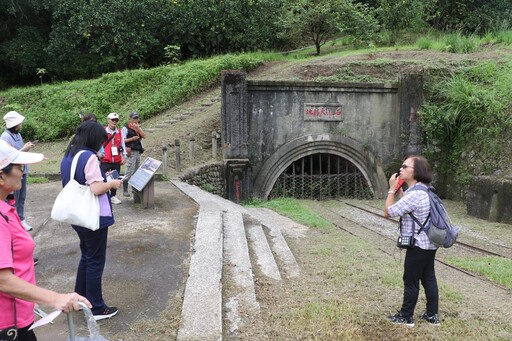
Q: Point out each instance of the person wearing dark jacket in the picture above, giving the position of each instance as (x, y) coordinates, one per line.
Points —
(133, 136)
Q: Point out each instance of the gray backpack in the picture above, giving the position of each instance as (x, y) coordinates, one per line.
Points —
(437, 226)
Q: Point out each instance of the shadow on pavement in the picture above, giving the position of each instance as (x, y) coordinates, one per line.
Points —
(147, 258)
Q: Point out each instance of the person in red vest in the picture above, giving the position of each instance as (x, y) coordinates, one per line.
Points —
(115, 151)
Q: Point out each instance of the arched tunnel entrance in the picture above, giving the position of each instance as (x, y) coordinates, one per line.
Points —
(321, 167)
(322, 176)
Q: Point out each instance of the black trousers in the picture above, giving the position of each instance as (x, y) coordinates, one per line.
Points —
(107, 167)
(419, 266)
(26, 335)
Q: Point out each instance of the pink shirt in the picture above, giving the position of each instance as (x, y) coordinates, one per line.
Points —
(23, 265)
(93, 174)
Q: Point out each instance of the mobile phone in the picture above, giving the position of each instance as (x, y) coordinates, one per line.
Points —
(399, 183)
(113, 175)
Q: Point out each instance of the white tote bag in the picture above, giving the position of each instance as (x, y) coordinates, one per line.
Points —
(76, 204)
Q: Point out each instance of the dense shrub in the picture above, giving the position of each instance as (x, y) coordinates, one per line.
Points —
(467, 121)
(52, 110)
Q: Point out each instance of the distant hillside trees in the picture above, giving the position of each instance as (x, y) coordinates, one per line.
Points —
(397, 16)
(470, 16)
(74, 39)
(207, 27)
(318, 21)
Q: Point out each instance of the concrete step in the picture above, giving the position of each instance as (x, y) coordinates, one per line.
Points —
(239, 294)
(242, 234)
(262, 252)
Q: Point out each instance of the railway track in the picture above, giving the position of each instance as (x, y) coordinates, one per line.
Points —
(468, 246)
(474, 248)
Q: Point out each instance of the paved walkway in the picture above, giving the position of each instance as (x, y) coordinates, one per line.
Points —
(189, 246)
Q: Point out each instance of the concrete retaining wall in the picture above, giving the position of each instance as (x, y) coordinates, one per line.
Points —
(490, 198)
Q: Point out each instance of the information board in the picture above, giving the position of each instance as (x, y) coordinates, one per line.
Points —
(145, 172)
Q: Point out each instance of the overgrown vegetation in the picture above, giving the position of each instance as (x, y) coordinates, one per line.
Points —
(83, 39)
(497, 270)
(52, 110)
(467, 121)
(293, 209)
(453, 42)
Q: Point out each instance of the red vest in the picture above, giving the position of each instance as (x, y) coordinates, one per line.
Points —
(116, 142)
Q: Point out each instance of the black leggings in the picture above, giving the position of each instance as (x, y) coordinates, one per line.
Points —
(419, 266)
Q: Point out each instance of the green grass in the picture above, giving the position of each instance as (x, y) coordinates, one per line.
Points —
(52, 110)
(37, 180)
(496, 269)
(460, 43)
(293, 209)
(348, 287)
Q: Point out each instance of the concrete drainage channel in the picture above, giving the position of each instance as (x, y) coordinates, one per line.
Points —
(226, 233)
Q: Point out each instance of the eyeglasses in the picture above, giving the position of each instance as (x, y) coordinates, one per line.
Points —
(405, 167)
(114, 119)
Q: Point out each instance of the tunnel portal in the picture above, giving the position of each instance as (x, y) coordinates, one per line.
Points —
(322, 176)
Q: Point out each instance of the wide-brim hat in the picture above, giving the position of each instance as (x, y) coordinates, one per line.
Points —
(10, 155)
(12, 119)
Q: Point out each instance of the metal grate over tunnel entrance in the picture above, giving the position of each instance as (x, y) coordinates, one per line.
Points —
(322, 176)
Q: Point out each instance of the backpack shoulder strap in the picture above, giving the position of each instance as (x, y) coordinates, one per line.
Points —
(418, 222)
(426, 190)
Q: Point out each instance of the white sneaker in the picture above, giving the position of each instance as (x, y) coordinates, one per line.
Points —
(26, 225)
(115, 200)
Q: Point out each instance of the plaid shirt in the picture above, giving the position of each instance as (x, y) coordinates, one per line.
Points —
(417, 203)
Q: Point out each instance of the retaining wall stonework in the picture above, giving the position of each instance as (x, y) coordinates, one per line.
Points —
(490, 198)
(210, 178)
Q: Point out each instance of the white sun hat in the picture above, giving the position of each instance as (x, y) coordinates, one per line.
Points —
(12, 119)
(10, 155)
(113, 116)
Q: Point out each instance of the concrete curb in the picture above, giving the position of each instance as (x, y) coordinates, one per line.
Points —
(202, 303)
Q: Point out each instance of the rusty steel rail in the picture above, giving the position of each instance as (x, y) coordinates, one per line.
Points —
(476, 248)
(386, 252)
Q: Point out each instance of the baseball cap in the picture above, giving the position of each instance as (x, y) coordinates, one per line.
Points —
(113, 116)
(12, 119)
(134, 115)
(10, 155)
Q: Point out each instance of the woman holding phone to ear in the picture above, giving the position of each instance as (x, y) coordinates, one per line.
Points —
(420, 257)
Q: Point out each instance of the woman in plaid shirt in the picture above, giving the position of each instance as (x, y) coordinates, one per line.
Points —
(419, 259)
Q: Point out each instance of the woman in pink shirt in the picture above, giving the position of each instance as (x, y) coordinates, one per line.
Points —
(18, 290)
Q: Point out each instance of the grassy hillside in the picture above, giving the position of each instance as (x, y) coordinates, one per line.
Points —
(466, 118)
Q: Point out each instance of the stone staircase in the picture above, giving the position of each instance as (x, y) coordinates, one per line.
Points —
(220, 296)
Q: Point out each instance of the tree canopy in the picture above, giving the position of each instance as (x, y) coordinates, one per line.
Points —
(73, 39)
